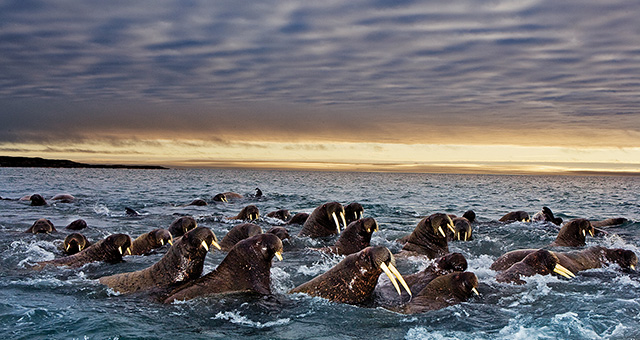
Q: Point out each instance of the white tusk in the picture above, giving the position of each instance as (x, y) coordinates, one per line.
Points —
(584, 233)
(451, 228)
(215, 244)
(279, 255)
(170, 242)
(68, 246)
(386, 270)
(465, 236)
(632, 267)
(397, 274)
(344, 222)
(335, 219)
(129, 250)
(559, 269)
(591, 232)
(475, 291)
(161, 242)
(442, 232)
(120, 250)
(204, 244)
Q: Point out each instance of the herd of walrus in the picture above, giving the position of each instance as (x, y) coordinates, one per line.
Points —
(177, 276)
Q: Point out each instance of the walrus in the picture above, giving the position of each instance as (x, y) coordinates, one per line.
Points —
(41, 226)
(298, 218)
(429, 237)
(352, 212)
(198, 202)
(130, 212)
(78, 224)
(239, 233)
(540, 261)
(246, 268)
(575, 261)
(229, 195)
(109, 249)
(353, 280)
(609, 222)
(462, 230)
(258, 193)
(75, 243)
(220, 198)
(516, 216)
(354, 238)
(63, 198)
(546, 215)
(573, 233)
(147, 242)
(183, 262)
(281, 214)
(182, 225)
(37, 200)
(248, 213)
(470, 215)
(453, 262)
(443, 291)
(323, 221)
(281, 232)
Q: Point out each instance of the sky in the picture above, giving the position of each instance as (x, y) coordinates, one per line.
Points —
(446, 86)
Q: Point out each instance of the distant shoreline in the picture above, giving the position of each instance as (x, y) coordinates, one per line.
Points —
(37, 162)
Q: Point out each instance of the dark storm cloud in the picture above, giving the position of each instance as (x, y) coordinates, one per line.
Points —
(86, 69)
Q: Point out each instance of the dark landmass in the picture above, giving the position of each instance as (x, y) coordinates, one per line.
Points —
(37, 162)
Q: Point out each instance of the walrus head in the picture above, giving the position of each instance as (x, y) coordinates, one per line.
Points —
(281, 232)
(334, 210)
(626, 259)
(239, 233)
(114, 247)
(198, 202)
(541, 262)
(78, 224)
(250, 213)
(198, 241)
(470, 215)
(37, 200)
(160, 237)
(461, 229)
(220, 198)
(516, 216)
(182, 225)
(282, 214)
(356, 236)
(450, 263)
(429, 237)
(574, 233)
(41, 226)
(443, 291)
(353, 211)
(75, 243)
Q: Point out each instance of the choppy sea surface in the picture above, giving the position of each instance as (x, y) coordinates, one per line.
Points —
(71, 304)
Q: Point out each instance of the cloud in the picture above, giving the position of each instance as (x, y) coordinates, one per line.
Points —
(520, 72)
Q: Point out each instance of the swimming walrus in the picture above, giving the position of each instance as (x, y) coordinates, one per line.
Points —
(78, 224)
(74, 243)
(37, 200)
(608, 222)
(220, 198)
(248, 213)
(109, 249)
(575, 261)
(281, 232)
(386, 294)
(247, 268)
(546, 215)
(541, 261)
(443, 291)
(429, 237)
(230, 195)
(183, 262)
(573, 233)
(462, 230)
(516, 216)
(323, 221)
(63, 198)
(239, 233)
(41, 226)
(299, 218)
(354, 238)
(198, 202)
(353, 211)
(147, 242)
(182, 225)
(353, 280)
(281, 214)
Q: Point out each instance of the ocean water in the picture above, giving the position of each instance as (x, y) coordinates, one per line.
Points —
(71, 304)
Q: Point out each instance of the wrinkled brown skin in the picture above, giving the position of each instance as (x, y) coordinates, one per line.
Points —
(515, 216)
(443, 291)
(299, 218)
(182, 263)
(37, 200)
(41, 226)
(353, 212)
(105, 250)
(78, 224)
(356, 237)
(282, 214)
(75, 243)
(352, 280)
(147, 242)
(198, 202)
(575, 261)
(182, 225)
(63, 198)
(454, 262)
(425, 238)
(247, 268)
(246, 212)
(320, 223)
(539, 261)
(570, 235)
(281, 232)
(608, 222)
(239, 233)
(461, 225)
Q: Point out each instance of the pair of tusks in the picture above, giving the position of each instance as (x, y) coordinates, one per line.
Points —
(393, 273)
(561, 270)
(466, 237)
(584, 232)
(224, 199)
(335, 219)
(128, 249)
(206, 247)
(168, 241)
(376, 228)
(357, 214)
(251, 216)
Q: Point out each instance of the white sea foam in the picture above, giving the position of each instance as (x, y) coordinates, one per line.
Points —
(239, 319)
(101, 209)
(319, 267)
(280, 280)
